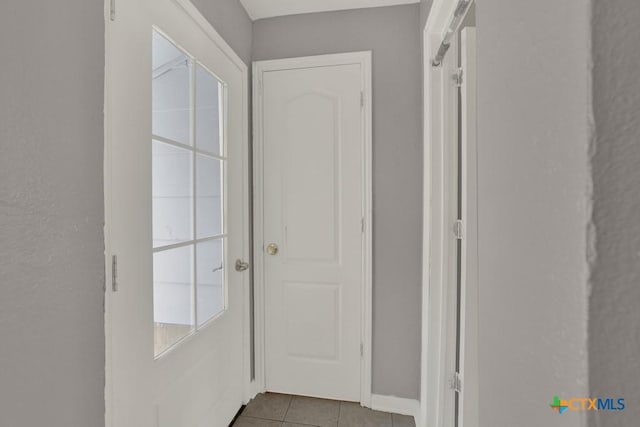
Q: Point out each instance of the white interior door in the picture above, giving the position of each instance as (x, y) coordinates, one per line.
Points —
(314, 210)
(176, 219)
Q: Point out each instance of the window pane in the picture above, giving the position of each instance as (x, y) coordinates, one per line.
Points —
(208, 93)
(171, 76)
(210, 279)
(173, 290)
(208, 196)
(187, 194)
(172, 194)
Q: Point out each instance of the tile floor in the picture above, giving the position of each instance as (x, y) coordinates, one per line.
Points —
(281, 410)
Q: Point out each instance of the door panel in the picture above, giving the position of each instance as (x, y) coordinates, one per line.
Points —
(176, 206)
(313, 212)
(312, 150)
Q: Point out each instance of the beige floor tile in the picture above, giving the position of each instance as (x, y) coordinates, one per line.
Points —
(402, 421)
(354, 415)
(315, 412)
(271, 406)
(255, 422)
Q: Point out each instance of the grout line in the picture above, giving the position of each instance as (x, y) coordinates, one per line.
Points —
(278, 421)
(261, 418)
(287, 411)
(301, 424)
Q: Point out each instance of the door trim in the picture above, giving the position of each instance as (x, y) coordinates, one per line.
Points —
(436, 302)
(194, 14)
(259, 68)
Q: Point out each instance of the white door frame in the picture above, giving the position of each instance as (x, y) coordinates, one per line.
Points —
(469, 176)
(259, 68)
(436, 301)
(198, 19)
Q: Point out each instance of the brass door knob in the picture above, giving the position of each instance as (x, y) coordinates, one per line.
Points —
(272, 249)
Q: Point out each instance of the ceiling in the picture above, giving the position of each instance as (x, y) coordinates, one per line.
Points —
(258, 9)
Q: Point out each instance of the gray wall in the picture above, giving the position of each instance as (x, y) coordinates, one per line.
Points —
(231, 21)
(51, 213)
(533, 137)
(425, 8)
(51, 206)
(392, 33)
(614, 306)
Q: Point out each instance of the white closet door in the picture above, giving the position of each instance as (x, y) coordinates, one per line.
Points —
(313, 217)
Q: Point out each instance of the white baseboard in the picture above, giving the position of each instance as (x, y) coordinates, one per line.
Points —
(397, 405)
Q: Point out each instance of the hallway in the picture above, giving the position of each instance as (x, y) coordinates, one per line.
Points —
(213, 209)
(281, 410)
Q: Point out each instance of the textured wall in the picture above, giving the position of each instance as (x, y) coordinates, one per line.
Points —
(614, 306)
(393, 34)
(533, 138)
(231, 21)
(51, 213)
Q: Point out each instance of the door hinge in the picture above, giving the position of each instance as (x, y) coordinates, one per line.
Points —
(112, 10)
(114, 273)
(240, 265)
(455, 382)
(457, 77)
(361, 99)
(361, 350)
(363, 225)
(458, 229)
